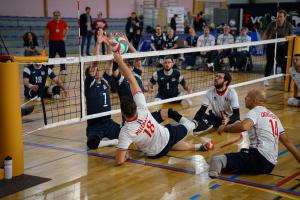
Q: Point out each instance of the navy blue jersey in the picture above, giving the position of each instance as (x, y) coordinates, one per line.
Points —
(192, 41)
(38, 76)
(158, 41)
(167, 84)
(97, 97)
(170, 42)
(124, 86)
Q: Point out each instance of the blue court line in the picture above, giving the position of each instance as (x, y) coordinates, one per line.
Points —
(214, 186)
(196, 196)
(165, 167)
(285, 151)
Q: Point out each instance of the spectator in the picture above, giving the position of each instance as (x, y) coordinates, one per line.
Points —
(86, 30)
(30, 44)
(100, 24)
(199, 22)
(223, 39)
(157, 39)
(173, 22)
(138, 32)
(56, 31)
(188, 22)
(207, 40)
(131, 26)
(242, 53)
(277, 29)
(191, 41)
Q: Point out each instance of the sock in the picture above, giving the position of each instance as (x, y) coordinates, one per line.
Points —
(217, 164)
(198, 146)
(174, 115)
(106, 143)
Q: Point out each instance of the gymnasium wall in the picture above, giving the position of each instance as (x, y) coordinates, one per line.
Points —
(68, 8)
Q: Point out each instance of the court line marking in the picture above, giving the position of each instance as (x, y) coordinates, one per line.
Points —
(287, 179)
(256, 185)
(196, 196)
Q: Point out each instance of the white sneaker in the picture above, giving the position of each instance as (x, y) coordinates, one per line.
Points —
(213, 174)
(293, 102)
(188, 67)
(63, 72)
(56, 96)
(266, 83)
(211, 66)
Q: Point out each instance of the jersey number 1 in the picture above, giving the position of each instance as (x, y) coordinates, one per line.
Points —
(274, 126)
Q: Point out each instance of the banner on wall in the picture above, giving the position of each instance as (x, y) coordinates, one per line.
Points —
(262, 13)
(179, 11)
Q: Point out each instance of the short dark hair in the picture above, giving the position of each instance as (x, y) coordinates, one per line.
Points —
(87, 8)
(169, 57)
(128, 107)
(227, 77)
(283, 12)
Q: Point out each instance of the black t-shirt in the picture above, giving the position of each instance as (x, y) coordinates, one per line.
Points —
(282, 31)
(191, 41)
(38, 76)
(168, 84)
(158, 41)
(97, 97)
(170, 42)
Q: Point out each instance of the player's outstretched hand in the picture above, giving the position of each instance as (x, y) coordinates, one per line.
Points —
(221, 129)
(118, 58)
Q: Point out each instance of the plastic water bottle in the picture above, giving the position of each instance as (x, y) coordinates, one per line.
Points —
(8, 167)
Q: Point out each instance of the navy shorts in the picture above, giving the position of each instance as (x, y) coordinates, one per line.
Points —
(177, 132)
(248, 161)
(106, 128)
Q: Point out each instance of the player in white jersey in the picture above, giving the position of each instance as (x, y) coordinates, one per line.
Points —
(264, 129)
(224, 105)
(295, 74)
(144, 131)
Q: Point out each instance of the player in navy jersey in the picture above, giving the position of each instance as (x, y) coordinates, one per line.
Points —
(168, 80)
(34, 79)
(191, 41)
(157, 40)
(98, 100)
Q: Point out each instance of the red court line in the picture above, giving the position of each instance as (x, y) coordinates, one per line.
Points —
(232, 142)
(280, 183)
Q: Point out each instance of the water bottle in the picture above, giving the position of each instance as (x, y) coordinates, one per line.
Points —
(8, 167)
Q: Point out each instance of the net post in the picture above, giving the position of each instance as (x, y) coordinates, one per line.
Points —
(296, 51)
(11, 140)
(287, 83)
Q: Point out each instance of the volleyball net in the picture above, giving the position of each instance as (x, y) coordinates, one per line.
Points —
(196, 68)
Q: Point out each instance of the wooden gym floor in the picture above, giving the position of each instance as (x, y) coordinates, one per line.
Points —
(61, 154)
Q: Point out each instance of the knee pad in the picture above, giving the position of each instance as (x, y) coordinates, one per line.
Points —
(93, 141)
(294, 102)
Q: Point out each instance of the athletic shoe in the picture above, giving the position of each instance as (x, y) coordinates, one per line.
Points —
(56, 96)
(213, 174)
(211, 66)
(197, 132)
(63, 72)
(207, 146)
(266, 83)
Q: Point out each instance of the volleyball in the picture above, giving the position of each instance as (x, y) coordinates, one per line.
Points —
(120, 45)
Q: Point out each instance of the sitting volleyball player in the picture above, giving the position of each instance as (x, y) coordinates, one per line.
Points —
(34, 79)
(295, 74)
(168, 80)
(144, 131)
(97, 101)
(264, 129)
(224, 105)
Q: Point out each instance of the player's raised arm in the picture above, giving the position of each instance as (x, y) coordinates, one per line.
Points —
(127, 73)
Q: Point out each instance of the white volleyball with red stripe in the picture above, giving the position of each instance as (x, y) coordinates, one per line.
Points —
(120, 45)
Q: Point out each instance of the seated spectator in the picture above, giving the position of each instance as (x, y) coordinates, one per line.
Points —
(30, 44)
(207, 40)
(157, 39)
(295, 74)
(191, 41)
(225, 38)
(242, 53)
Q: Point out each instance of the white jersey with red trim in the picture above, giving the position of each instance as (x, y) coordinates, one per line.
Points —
(221, 102)
(295, 76)
(265, 132)
(145, 132)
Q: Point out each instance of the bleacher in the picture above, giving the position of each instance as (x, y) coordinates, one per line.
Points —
(12, 30)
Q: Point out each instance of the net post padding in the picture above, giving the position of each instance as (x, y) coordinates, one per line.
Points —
(293, 48)
(23, 59)
(11, 141)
